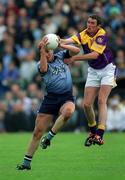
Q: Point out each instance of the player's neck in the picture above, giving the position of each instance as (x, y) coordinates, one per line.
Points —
(92, 34)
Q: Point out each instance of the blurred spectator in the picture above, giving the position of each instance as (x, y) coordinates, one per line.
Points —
(2, 128)
(24, 49)
(11, 8)
(112, 7)
(32, 90)
(114, 120)
(1, 80)
(9, 101)
(48, 26)
(24, 33)
(25, 101)
(62, 29)
(120, 61)
(2, 9)
(77, 72)
(30, 7)
(11, 75)
(30, 65)
(35, 30)
(2, 27)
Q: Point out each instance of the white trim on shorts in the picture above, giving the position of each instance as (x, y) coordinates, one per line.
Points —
(98, 77)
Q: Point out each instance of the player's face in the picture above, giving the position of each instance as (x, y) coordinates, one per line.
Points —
(92, 26)
(49, 55)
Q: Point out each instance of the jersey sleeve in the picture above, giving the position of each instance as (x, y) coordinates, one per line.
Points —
(38, 66)
(66, 54)
(99, 44)
(76, 39)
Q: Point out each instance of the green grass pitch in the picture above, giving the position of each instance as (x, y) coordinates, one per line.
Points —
(65, 159)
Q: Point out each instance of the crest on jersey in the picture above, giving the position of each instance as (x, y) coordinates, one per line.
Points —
(101, 40)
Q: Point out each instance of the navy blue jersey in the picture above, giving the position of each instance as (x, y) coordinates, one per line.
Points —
(57, 79)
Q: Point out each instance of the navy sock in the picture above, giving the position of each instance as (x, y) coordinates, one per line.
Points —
(93, 129)
(50, 135)
(100, 132)
(27, 160)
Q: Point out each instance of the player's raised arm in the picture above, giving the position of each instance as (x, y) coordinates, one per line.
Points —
(43, 56)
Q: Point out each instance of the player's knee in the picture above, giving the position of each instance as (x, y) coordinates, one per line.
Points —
(101, 101)
(86, 105)
(68, 113)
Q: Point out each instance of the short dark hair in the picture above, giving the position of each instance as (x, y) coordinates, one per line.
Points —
(98, 19)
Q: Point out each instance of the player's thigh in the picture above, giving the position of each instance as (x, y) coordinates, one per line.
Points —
(43, 121)
(90, 94)
(104, 93)
(109, 75)
(68, 106)
(93, 78)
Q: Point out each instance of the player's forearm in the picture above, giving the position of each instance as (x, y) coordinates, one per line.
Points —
(43, 62)
(89, 56)
(66, 41)
(72, 49)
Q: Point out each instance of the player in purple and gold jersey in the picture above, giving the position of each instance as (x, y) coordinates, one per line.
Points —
(101, 75)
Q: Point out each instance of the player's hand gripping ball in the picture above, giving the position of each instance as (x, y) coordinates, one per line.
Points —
(53, 41)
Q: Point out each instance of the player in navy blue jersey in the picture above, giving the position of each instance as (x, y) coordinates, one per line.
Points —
(59, 99)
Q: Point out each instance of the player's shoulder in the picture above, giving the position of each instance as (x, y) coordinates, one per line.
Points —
(101, 37)
(101, 32)
(83, 32)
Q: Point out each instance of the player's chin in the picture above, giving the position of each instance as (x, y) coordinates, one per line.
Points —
(89, 29)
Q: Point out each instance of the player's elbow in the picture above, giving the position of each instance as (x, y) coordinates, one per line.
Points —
(43, 69)
(75, 51)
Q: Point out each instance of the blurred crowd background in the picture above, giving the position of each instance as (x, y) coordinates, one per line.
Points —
(22, 25)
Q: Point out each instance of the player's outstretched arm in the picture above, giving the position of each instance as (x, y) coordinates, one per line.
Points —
(66, 41)
(85, 57)
(73, 50)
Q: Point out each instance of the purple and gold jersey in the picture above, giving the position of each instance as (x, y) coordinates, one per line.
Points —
(98, 43)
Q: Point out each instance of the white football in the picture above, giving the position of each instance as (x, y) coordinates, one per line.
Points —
(52, 41)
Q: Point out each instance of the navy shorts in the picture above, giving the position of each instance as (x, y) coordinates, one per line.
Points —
(52, 102)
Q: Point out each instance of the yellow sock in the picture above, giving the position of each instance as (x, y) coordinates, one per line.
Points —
(101, 126)
(92, 124)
